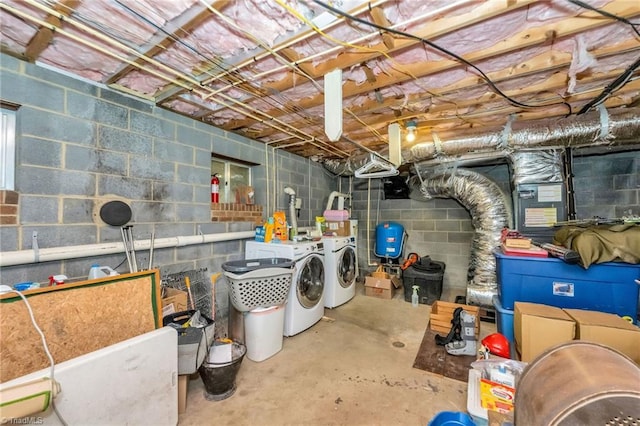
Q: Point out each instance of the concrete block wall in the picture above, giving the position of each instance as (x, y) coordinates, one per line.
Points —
(607, 185)
(440, 228)
(80, 145)
(311, 182)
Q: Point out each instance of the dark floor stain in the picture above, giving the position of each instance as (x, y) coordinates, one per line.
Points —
(398, 344)
(460, 391)
(433, 387)
(339, 400)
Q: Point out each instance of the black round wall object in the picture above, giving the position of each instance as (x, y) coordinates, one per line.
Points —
(115, 213)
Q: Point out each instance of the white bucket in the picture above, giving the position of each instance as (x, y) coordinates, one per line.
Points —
(263, 332)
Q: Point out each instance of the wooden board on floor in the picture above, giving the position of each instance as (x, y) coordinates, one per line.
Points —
(435, 359)
(76, 319)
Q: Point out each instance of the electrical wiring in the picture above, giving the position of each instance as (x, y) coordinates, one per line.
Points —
(439, 48)
(612, 87)
(625, 76)
(606, 14)
(395, 65)
(195, 86)
(340, 42)
(261, 43)
(45, 346)
(233, 75)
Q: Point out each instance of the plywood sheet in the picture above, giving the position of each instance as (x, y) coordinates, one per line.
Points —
(76, 319)
(435, 359)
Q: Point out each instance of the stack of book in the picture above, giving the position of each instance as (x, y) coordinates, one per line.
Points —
(522, 247)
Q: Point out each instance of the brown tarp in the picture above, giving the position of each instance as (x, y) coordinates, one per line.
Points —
(602, 243)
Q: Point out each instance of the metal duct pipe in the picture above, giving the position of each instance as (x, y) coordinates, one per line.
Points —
(292, 209)
(611, 128)
(490, 211)
(539, 166)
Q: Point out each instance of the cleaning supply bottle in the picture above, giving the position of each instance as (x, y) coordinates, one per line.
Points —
(269, 229)
(280, 223)
(98, 271)
(95, 272)
(414, 296)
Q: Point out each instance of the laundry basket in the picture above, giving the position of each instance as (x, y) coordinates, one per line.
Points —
(258, 283)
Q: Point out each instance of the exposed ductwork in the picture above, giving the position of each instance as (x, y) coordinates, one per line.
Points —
(599, 128)
(537, 166)
(490, 211)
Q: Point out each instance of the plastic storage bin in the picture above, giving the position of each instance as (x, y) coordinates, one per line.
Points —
(263, 332)
(607, 287)
(504, 322)
(428, 275)
(479, 414)
(258, 283)
(451, 418)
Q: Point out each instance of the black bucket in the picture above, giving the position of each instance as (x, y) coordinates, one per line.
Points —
(220, 378)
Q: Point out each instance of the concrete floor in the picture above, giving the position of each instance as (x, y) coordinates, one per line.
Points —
(354, 369)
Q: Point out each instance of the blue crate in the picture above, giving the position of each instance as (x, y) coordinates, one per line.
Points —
(606, 287)
(504, 322)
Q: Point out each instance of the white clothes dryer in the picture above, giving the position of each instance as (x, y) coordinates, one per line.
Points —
(305, 303)
(341, 270)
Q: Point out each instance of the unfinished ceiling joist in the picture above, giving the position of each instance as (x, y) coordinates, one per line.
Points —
(255, 68)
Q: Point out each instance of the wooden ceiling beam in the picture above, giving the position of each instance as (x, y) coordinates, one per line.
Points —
(546, 62)
(434, 29)
(501, 114)
(177, 28)
(44, 36)
(489, 102)
(378, 17)
(499, 109)
(527, 38)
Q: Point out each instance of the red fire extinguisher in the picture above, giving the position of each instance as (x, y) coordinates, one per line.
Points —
(215, 189)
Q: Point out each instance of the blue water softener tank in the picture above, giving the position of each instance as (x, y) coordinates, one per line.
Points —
(389, 240)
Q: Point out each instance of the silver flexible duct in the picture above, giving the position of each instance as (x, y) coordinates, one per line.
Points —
(597, 128)
(292, 209)
(539, 166)
(490, 211)
(346, 167)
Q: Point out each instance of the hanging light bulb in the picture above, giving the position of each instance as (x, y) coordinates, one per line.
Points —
(411, 128)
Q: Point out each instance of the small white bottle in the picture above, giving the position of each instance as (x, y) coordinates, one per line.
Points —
(414, 296)
(95, 272)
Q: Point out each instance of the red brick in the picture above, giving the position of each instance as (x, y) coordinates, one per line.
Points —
(10, 197)
(8, 210)
(8, 220)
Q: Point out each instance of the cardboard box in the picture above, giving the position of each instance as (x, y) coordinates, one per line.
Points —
(607, 329)
(339, 228)
(183, 385)
(442, 314)
(174, 300)
(382, 288)
(538, 327)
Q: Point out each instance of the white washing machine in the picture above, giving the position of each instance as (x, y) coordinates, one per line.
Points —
(305, 303)
(340, 269)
